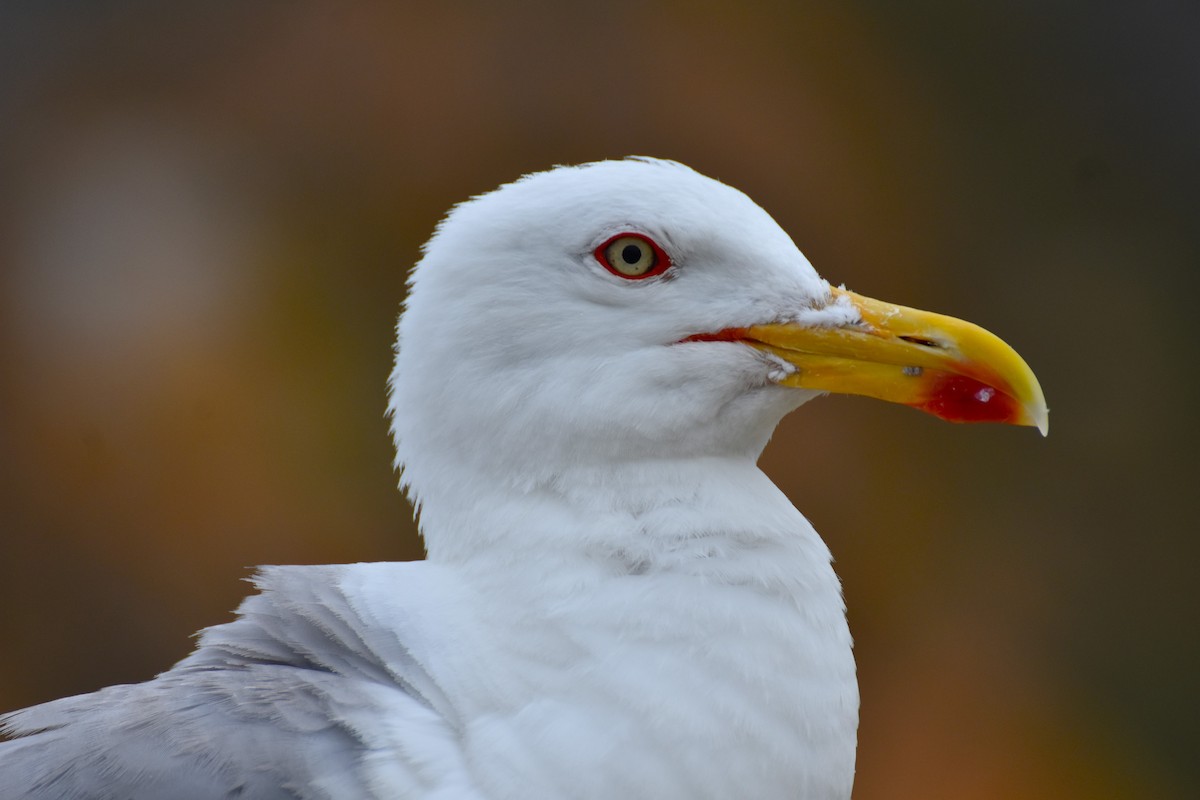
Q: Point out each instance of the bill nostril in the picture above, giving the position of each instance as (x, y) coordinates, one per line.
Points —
(922, 342)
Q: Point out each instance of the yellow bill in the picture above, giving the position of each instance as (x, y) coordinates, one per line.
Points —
(944, 366)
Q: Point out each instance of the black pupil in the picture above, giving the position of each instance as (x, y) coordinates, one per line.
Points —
(631, 253)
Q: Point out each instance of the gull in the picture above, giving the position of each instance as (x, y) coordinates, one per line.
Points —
(616, 602)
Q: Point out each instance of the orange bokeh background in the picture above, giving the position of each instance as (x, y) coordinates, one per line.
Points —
(207, 211)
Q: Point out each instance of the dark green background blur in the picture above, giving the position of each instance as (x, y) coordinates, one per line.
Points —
(207, 210)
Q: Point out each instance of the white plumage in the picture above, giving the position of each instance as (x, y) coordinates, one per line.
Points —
(617, 603)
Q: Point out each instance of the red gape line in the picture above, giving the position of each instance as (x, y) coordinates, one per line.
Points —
(957, 398)
(727, 335)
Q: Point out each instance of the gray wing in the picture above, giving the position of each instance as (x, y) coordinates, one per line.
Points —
(263, 733)
(277, 704)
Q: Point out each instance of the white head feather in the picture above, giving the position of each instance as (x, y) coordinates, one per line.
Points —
(521, 358)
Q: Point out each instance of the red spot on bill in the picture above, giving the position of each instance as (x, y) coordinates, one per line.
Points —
(957, 398)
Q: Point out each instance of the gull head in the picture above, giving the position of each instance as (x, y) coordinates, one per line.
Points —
(634, 310)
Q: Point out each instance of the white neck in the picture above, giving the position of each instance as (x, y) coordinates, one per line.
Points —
(625, 589)
(639, 516)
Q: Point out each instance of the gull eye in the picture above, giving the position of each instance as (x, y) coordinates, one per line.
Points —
(633, 256)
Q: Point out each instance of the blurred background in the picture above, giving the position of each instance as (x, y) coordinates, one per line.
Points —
(207, 211)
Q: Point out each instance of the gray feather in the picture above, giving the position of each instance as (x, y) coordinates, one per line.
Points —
(262, 710)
